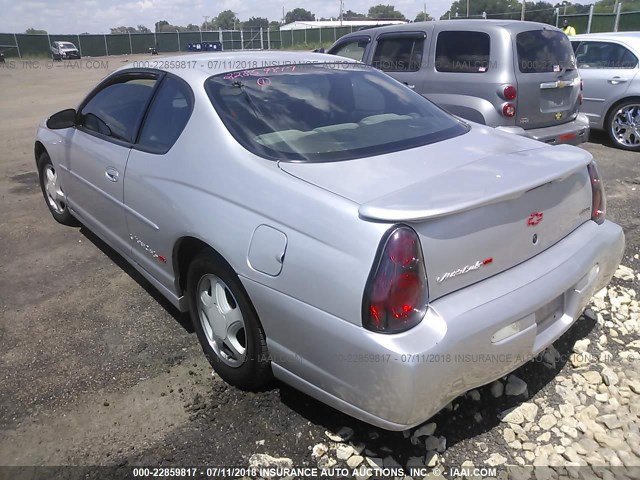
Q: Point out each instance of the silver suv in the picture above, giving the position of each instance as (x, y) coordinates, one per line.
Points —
(518, 76)
(64, 51)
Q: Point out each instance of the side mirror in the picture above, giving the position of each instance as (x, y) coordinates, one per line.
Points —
(64, 119)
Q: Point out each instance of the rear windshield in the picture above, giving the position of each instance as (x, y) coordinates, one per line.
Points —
(325, 112)
(541, 51)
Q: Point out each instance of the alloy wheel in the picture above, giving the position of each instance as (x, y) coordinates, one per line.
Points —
(625, 126)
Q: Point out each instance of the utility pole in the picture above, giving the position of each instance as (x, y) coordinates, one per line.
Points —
(524, 2)
(341, 9)
(206, 20)
(467, 8)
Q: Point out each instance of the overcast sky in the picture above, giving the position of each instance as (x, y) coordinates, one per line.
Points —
(98, 16)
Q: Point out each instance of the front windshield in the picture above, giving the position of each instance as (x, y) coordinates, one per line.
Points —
(325, 112)
(67, 45)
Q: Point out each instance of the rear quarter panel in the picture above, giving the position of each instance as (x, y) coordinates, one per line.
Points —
(473, 96)
(211, 188)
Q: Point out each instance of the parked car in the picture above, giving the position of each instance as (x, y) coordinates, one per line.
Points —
(327, 225)
(64, 51)
(608, 64)
(518, 76)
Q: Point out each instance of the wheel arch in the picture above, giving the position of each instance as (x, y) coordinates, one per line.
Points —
(38, 150)
(185, 250)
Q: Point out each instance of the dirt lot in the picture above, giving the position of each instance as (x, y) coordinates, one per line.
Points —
(97, 369)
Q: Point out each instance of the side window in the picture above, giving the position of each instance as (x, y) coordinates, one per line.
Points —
(116, 110)
(399, 54)
(604, 55)
(167, 117)
(462, 52)
(354, 50)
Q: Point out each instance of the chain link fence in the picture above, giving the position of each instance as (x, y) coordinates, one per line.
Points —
(98, 45)
(603, 22)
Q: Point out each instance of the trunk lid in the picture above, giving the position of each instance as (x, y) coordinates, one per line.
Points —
(477, 213)
(548, 80)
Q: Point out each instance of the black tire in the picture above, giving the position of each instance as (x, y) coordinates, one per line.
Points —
(633, 104)
(64, 216)
(254, 372)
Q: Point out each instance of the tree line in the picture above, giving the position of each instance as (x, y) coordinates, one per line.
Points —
(228, 20)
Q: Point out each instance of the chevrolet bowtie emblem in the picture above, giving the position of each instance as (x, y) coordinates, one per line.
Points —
(558, 115)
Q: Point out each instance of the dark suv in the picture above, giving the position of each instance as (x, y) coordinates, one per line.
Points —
(518, 76)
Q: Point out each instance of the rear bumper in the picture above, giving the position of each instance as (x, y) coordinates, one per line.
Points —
(571, 133)
(399, 381)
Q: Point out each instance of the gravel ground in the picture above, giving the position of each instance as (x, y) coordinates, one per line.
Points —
(576, 405)
(97, 369)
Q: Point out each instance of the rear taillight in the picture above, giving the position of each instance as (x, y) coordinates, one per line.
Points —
(580, 98)
(598, 198)
(396, 294)
(509, 92)
(581, 85)
(509, 110)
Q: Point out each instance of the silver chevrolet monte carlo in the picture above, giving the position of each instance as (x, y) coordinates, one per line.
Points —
(324, 224)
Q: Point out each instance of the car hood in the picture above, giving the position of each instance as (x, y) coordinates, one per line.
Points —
(483, 166)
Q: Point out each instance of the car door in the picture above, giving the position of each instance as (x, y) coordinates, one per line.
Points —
(107, 126)
(400, 55)
(607, 69)
(152, 213)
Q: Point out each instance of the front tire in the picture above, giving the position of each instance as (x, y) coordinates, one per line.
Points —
(226, 323)
(623, 125)
(53, 193)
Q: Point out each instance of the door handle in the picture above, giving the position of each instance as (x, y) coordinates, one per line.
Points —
(617, 80)
(112, 174)
(410, 86)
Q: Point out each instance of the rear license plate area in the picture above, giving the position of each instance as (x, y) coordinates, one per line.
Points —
(549, 313)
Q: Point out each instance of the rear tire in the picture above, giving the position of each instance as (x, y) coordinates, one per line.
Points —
(623, 125)
(226, 323)
(53, 193)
